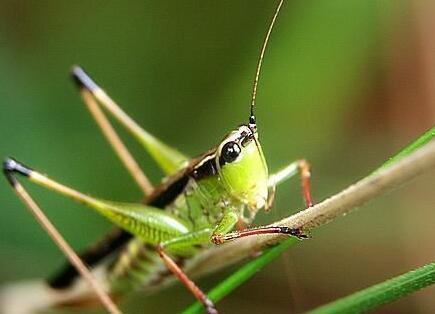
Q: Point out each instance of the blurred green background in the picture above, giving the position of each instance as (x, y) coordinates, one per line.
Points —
(345, 84)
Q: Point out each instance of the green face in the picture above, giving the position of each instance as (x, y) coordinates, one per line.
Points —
(242, 167)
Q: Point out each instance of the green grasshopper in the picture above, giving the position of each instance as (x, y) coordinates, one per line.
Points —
(199, 204)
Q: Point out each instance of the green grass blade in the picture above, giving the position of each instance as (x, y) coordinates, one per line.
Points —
(248, 270)
(422, 140)
(243, 274)
(383, 293)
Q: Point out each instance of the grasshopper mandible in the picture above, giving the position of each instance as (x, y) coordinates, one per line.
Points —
(199, 204)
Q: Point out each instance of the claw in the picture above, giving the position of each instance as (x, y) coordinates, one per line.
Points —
(295, 232)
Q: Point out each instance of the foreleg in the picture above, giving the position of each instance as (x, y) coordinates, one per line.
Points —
(300, 166)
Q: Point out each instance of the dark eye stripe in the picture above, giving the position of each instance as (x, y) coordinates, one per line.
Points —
(206, 169)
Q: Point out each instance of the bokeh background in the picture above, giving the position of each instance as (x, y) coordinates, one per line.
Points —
(345, 84)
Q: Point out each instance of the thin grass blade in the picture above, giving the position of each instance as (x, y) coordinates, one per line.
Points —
(382, 293)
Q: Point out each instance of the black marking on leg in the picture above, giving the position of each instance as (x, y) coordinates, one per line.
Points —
(82, 79)
(10, 166)
(296, 232)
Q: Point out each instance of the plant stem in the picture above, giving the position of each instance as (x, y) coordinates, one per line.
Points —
(382, 293)
(415, 159)
(389, 178)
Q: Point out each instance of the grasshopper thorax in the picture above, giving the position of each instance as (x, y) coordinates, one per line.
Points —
(242, 168)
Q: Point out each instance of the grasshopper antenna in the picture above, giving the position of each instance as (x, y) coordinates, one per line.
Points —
(252, 122)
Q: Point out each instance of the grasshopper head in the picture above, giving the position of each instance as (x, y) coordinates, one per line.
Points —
(242, 167)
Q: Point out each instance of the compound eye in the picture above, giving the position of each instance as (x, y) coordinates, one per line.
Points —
(230, 151)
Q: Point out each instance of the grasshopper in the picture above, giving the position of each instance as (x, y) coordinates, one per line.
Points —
(199, 204)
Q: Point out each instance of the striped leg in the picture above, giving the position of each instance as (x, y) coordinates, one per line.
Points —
(10, 168)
